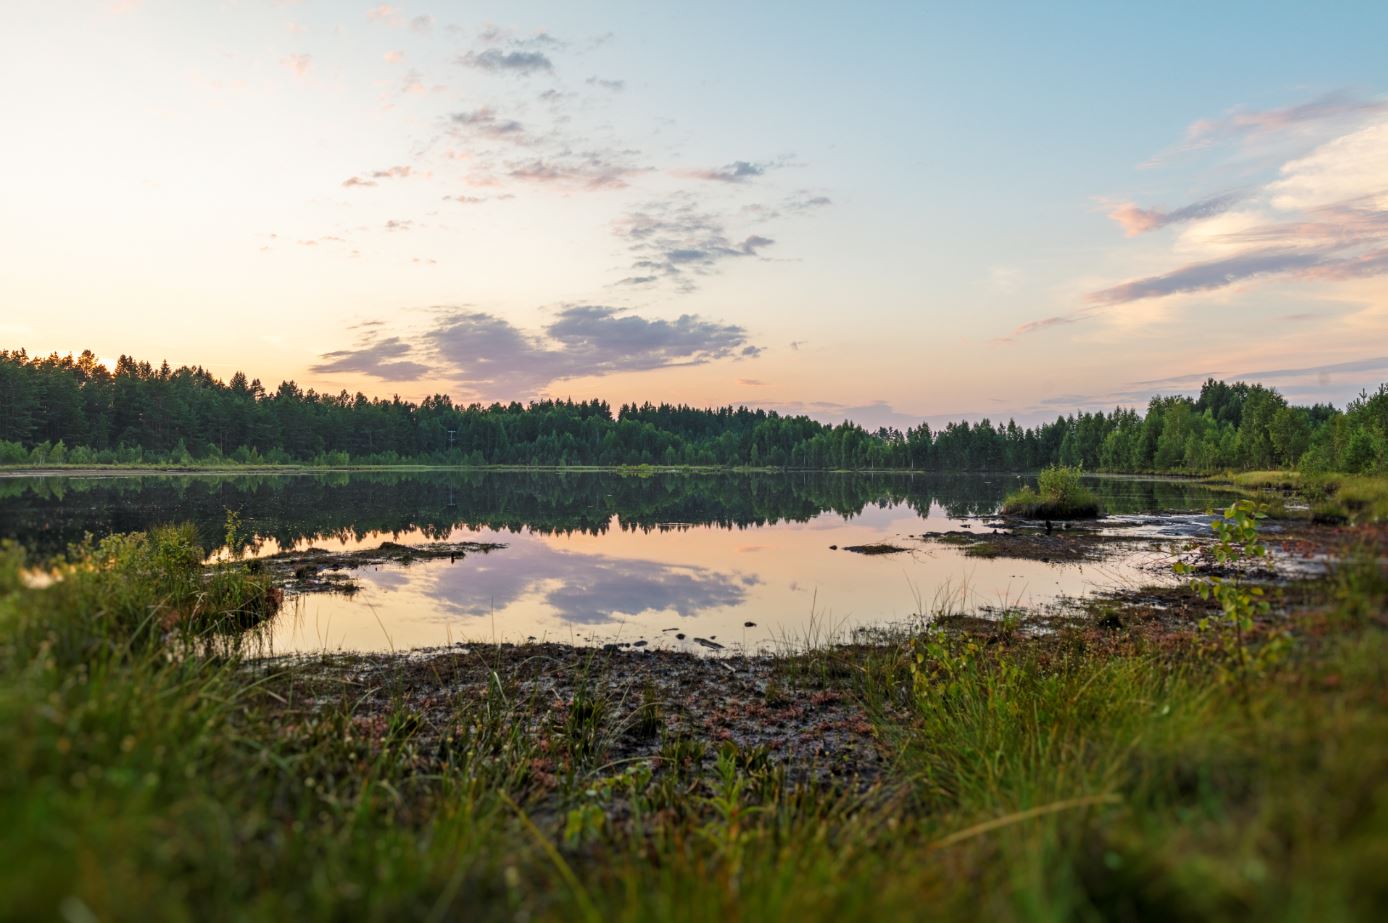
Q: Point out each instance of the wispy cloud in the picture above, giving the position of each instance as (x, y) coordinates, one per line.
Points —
(594, 170)
(674, 239)
(1238, 123)
(372, 178)
(522, 63)
(1135, 220)
(485, 121)
(1203, 277)
(616, 86)
(1057, 320)
(1243, 126)
(739, 171)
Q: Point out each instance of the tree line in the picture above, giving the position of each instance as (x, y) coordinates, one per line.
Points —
(73, 410)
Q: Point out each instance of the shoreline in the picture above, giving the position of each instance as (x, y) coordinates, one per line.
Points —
(97, 471)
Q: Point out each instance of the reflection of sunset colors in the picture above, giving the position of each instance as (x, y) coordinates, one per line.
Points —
(548, 199)
(702, 581)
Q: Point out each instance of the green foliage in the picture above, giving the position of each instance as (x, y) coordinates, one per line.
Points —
(1059, 495)
(1237, 543)
(73, 411)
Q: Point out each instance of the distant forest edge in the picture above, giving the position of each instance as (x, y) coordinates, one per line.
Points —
(74, 411)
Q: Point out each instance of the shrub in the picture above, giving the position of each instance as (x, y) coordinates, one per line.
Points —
(1059, 495)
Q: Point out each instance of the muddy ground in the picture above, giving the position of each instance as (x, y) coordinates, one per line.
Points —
(315, 570)
(644, 704)
(796, 712)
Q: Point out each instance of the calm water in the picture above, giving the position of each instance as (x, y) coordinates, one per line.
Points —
(600, 556)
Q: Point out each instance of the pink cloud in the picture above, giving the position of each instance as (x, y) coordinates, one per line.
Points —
(299, 63)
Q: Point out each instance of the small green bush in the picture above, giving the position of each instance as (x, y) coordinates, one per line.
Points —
(1059, 495)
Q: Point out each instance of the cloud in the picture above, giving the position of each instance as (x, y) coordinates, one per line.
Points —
(494, 60)
(1353, 166)
(299, 63)
(488, 355)
(1323, 219)
(590, 589)
(673, 240)
(383, 359)
(799, 203)
(384, 13)
(484, 121)
(1339, 242)
(616, 86)
(1331, 111)
(422, 24)
(1058, 320)
(1336, 381)
(1135, 220)
(1376, 364)
(1201, 277)
(738, 171)
(393, 57)
(370, 179)
(1239, 123)
(583, 171)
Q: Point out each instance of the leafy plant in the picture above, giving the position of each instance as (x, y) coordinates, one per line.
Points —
(1237, 543)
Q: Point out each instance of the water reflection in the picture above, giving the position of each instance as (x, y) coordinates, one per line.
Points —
(601, 555)
(578, 587)
(47, 514)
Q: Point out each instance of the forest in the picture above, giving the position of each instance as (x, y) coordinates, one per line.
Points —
(65, 410)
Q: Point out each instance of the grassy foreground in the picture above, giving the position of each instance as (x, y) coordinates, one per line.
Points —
(1107, 770)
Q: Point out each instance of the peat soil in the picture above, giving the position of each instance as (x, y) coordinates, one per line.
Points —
(636, 705)
(798, 712)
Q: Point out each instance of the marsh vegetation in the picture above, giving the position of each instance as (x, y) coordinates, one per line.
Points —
(1115, 765)
(1059, 494)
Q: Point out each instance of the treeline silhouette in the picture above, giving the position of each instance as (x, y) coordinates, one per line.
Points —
(66, 410)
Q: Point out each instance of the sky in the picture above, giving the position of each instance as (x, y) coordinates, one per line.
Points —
(880, 211)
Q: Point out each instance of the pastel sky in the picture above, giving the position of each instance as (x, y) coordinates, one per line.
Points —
(886, 211)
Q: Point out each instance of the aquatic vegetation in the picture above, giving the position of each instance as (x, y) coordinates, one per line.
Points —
(1059, 494)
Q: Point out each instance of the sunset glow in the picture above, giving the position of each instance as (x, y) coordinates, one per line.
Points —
(917, 214)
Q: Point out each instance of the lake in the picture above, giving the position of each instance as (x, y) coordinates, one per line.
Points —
(665, 560)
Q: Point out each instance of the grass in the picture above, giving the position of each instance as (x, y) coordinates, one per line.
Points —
(1331, 498)
(1058, 495)
(1088, 773)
